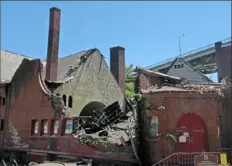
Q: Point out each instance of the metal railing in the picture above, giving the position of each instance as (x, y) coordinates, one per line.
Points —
(224, 41)
(187, 159)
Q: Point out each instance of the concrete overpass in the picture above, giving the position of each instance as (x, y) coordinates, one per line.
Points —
(202, 59)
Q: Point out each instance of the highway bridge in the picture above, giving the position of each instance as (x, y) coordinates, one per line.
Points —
(202, 59)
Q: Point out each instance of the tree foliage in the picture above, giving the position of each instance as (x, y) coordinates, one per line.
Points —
(130, 82)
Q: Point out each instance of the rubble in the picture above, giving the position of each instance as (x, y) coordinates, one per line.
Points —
(111, 129)
(217, 88)
(58, 104)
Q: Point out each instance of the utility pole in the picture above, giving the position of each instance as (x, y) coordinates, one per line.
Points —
(180, 44)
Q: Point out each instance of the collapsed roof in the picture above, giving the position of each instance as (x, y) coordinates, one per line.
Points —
(113, 128)
(11, 61)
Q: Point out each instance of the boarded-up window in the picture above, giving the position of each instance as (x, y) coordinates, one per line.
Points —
(54, 126)
(44, 127)
(154, 126)
(68, 126)
(34, 127)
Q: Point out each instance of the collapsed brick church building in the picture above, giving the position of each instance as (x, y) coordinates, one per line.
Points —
(44, 91)
(174, 118)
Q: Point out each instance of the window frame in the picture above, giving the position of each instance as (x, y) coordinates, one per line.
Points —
(53, 127)
(42, 127)
(33, 127)
(64, 129)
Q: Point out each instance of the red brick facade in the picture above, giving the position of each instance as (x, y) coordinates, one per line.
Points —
(29, 102)
(176, 104)
(147, 81)
(2, 112)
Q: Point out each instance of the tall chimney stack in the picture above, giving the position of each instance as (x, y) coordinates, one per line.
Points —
(117, 66)
(53, 44)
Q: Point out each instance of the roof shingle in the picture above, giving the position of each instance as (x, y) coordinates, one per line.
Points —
(11, 61)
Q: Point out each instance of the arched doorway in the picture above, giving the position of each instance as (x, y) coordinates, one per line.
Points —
(90, 107)
(192, 131)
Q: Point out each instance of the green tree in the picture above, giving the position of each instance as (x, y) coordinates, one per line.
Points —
(130, 82)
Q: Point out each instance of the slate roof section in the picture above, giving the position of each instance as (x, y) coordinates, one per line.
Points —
(156, 73)
(10, 62)
(64, 64)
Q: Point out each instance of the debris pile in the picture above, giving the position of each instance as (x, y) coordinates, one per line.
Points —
(111, 129)
(197, 88)
(58, 104)
(203, 88)
(72, 69)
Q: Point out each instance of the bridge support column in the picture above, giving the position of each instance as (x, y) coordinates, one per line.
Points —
(223, 60)
(224, 66)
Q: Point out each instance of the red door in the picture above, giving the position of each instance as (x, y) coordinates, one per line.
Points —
(192, 133)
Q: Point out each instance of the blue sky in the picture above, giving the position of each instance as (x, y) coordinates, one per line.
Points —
(148, 30)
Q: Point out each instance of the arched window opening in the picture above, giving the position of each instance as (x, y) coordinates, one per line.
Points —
(92, 108)
(70, 101)
(3, 101)
(0, 101)
(64, 99)
(2, 125)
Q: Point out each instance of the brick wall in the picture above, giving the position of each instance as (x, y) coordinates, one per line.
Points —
(28, 101)
(146, 81)
(2, 111)
(207, 106)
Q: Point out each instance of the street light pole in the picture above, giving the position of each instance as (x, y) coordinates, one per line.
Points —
(180, 44)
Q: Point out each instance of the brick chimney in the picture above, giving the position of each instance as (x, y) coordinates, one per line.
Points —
(53, 44)
(117, 66)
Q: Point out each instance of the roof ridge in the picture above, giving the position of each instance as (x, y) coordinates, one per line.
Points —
(17, 53)
(45, 58)
(77, 53)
